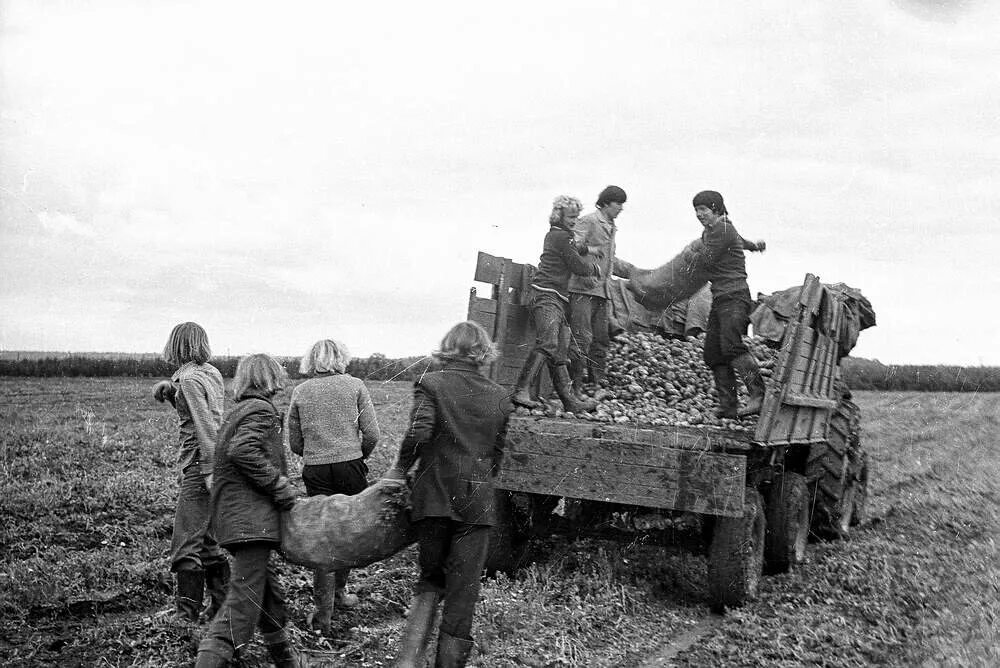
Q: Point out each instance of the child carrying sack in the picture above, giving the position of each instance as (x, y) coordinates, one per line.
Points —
(675, 281)
(339, 531)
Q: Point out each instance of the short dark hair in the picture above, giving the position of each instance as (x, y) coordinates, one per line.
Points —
(609, 195)
(712, 200)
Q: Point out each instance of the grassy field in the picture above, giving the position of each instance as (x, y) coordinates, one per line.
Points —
(88, 484)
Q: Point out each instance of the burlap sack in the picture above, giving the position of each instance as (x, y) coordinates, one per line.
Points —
(339, 531)
(677, 280)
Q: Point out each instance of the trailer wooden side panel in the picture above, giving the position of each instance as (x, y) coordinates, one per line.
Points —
(623, 472)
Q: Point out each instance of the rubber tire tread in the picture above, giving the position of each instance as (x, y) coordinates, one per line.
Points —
(736, 555)
(828, 470)
(787, 522)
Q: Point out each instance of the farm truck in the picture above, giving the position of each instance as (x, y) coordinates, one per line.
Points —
(757, 492)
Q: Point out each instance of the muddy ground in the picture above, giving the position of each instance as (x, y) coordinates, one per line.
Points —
(86, 468)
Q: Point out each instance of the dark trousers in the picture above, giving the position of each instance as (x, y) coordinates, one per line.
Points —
(255, 599)
(589, 322)
(350, 478)
(192, 546)
(727, 323)
(452, 555)
(550, 315)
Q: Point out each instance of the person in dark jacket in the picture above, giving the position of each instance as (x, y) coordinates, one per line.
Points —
(725, 353)
(560, 259)
(456, 438)
(197, 394)
(250, 490)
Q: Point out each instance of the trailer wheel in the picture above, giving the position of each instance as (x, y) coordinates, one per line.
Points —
(837, 473)
(736, 555)
(508, 538)
(787, 522)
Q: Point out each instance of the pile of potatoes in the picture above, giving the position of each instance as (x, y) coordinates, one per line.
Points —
(652, 380)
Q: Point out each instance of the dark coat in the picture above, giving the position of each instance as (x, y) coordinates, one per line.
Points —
(457, 430)
(249, 460)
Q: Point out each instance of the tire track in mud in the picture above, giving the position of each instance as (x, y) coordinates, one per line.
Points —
(671, 649)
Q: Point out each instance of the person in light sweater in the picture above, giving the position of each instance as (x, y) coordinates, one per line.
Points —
(332, 426)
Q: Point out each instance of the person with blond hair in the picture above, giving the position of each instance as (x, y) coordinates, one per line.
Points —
(332, 426)
(550, 313)
(197, 393)
(250, 491)
(456, 434)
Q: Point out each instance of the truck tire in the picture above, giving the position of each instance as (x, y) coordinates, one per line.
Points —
(837, 474)
(736, 555)
(508, 538)
(787, 523)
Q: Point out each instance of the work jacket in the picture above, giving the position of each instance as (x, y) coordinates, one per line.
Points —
(597, 234)
(724, 261)
(249, 460)
(456, 435)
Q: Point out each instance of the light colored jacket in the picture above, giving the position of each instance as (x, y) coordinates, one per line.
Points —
(595, 232)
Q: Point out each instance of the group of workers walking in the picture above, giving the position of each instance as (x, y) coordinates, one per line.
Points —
(235, 485)
(569, 302)
(234, 481)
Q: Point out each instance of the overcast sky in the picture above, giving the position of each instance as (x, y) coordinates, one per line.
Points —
(281, 175)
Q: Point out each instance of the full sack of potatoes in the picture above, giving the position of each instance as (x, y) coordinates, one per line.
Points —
(677, 280)
(338, 531)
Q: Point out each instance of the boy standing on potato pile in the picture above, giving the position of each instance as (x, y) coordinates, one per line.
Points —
(725, 352)
(560, 259)
(589, 294)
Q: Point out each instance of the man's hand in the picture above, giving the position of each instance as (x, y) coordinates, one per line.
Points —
(164, 391)
(284, 494)
(208, 482)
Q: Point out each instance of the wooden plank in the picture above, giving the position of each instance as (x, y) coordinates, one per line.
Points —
(621, 472)
(488, 268)
(686, 438)
(810, 400)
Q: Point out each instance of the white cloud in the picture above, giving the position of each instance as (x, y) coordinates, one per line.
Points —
(63, 223)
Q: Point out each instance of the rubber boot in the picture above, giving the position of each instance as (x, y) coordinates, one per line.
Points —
(189, 593)
(597, 372)
(536, 390)
(725, 390)
(343, 598)
(217, 584)
(452, 652)
(532, 367)
(324, 592)
(418, 630)
(284, 656)
(207, 659)
(746, 366)
(577, 367)
(564, 388)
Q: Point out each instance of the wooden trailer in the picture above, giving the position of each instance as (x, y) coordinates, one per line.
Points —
(750, 487)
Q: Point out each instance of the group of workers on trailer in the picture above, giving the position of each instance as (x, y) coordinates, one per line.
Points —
(569, 303)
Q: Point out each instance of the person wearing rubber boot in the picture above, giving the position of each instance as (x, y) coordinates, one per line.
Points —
(725, 353)
(560, 259)
(458, 424)
(197, 394)
(251, 490)
(589, 294)
(332, 426)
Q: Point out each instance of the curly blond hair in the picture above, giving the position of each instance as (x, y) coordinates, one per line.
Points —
(560, 205)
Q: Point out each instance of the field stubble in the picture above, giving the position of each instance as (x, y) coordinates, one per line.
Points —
(87, 501)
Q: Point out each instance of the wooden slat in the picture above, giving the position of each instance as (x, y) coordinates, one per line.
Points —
(622, 472)
(813, 401)
(488, 268)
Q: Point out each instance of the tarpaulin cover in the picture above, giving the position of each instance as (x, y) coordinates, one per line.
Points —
(675, 281)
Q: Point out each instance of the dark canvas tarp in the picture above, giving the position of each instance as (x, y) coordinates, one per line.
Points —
(686, 317)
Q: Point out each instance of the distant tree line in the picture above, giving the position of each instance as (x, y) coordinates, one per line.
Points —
(864, 374)
(374, 367)
(860, 374)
